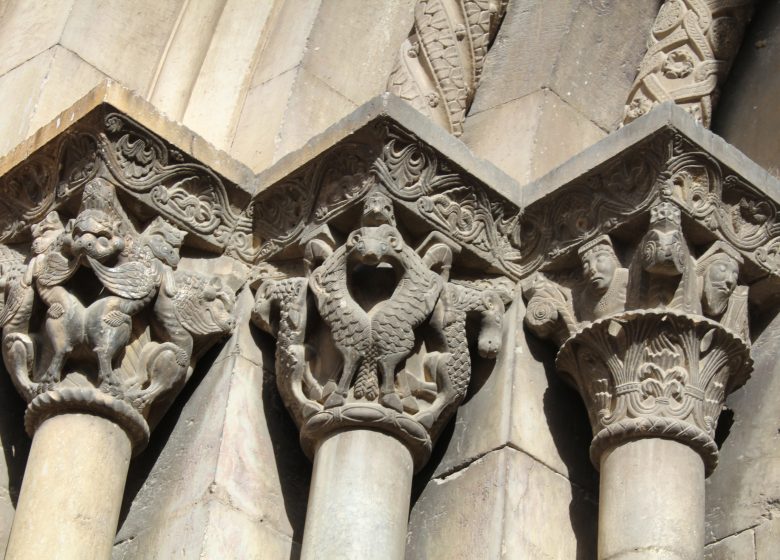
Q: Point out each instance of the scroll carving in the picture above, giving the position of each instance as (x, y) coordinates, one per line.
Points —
(100, 318)
(692, 45)
(413, 174)
(439, 65)
(393, 319)
(665, 166)
(112, 147)
(653, 348)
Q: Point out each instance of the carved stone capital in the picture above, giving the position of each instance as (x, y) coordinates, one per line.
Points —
(393, 241)
(99, 314)
(650, 373)
(649, 306)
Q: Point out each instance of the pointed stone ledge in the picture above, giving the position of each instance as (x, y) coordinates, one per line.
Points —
(206, 189)
(296, 195)
(610, 187)
(120, 255)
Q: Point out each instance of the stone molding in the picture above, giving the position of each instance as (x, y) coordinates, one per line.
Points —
(439, 65)
(374, 259)
(612, 186)
(691, 47)
(98, 314)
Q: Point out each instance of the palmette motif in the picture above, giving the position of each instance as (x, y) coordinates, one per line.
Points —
(673, 344)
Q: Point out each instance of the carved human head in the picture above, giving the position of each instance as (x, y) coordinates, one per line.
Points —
(378, 209)
(664, 250)
(46, 232)
(599, 263)
(164, 241)
(719, 270)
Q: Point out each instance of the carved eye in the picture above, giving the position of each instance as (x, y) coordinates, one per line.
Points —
(393, 240)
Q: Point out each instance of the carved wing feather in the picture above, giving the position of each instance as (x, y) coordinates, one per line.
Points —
(131, 280)
(411, 303)
(349, 323)
(19, 296)
(189, 308)
(56, 269)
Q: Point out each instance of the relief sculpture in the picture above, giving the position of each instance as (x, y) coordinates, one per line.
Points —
(655, 347)
(396, 323)
(118, 318)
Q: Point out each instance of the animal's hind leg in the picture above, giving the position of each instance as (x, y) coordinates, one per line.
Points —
(339, 396)
(388, 396)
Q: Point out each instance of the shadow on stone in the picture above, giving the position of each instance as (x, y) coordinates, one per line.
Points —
(568, 422)
(15, 442)
(292, 465)
(141, 466)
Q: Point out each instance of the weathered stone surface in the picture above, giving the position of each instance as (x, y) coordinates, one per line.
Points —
(243, 463)
(15, 88)
(737, 547)
(365, 512)
(573, 48)
(522, 403)
(128, 42)
(312, 107)
(28, 28)
(74, 479)
(181, 64)
(767, 536)
(69, 79)
(503, 505)
(215, 101)
(747, 114)
(651, 501)
(529, 136)
(746, 487)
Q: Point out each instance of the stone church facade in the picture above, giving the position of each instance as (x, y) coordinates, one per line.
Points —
(399, 279)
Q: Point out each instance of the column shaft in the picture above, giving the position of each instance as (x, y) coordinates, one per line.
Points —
(359, 498)
(72, 490)
(651, 502)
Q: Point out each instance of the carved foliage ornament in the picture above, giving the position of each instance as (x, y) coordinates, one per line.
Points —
(439, 65)
(111, 146)
(413, 174)
(99, 317)
(691, 48)
(655, 347)
(665, 166)
(373, 335)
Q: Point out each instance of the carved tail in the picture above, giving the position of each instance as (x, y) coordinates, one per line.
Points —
(367, 382)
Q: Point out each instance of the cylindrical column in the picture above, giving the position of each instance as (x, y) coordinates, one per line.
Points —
(651, 502)
(359, 498)
(72, 490)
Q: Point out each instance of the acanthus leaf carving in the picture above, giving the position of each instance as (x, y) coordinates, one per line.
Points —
(653, 348)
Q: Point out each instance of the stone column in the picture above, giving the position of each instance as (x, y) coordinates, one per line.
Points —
(358, 508)
(631, 497)
(119, 330)
(371, 370)
(72, 490)
(653, 349)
